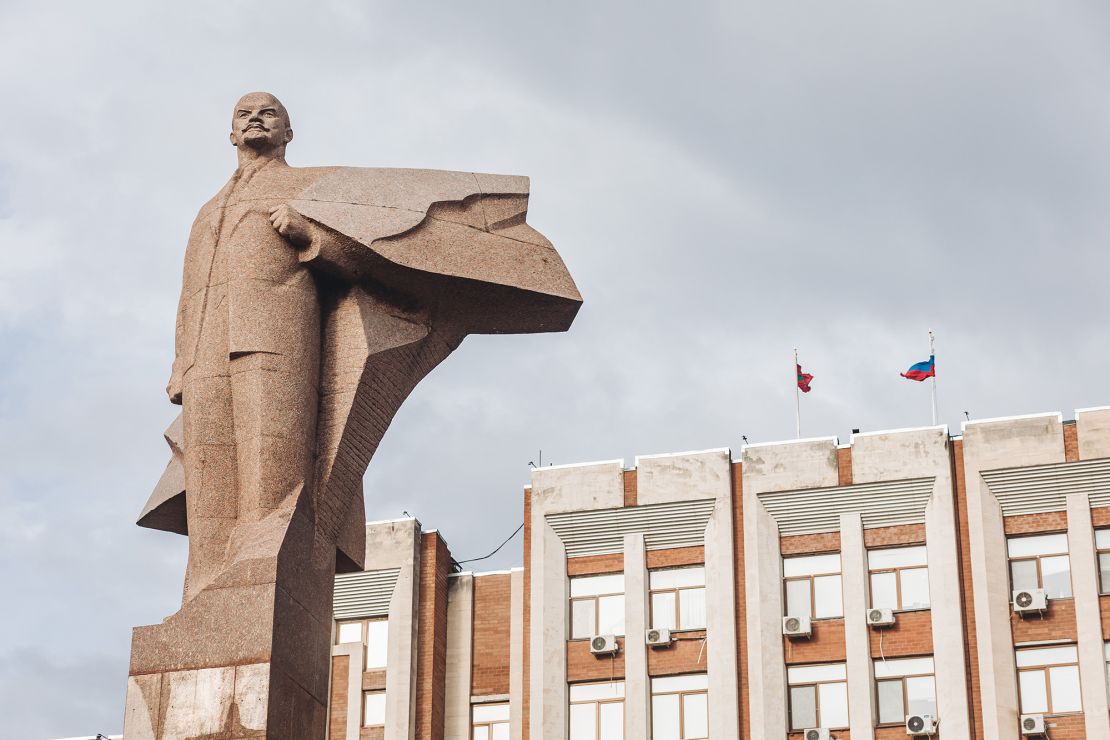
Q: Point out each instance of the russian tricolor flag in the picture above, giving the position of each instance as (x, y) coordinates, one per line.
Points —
(921, 370)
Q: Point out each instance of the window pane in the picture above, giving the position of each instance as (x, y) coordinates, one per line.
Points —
(612, 721)
(797, 674)
(1064, 683)
(1046, 656)
(798, 599)
(373, 709)
(583, 721)
(377, 643)
(1045, 544)
(896, 667)
(832, 700)
(921, 695)
(691, 608)
(491, 712)
(803, 707)
(811, 565)
(582, 619)
(677, 577)
(884, 591)
(481, 733)
(1104, 571)
(1056, 573)
(1023, 574)
(350, 632)
(610, 615)
(663, 611)
(596, 585)
(664, 717)
(1033, 697)
(1102, 539)
(827, 597)
(915, 588)
(896, 557)
(890, 702)
(686, 682)
(591, 691)
(695, 716)
(500, 731)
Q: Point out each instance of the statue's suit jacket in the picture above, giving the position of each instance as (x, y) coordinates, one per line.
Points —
(411, 262)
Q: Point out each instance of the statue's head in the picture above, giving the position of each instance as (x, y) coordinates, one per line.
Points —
(261, 122)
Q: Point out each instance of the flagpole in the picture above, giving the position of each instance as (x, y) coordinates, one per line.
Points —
(797, 400)
(932, 354)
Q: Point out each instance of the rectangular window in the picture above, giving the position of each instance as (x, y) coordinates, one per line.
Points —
(677, 598)
(680, 707)
(373, 633)
(1048, 680)
(818, 696)
(490, 722)
(1102, 544)
(904, 687)
(899, 578)
(811, 586)
(1040, 561)
(596, 606)
(373, 709)
(597, 711)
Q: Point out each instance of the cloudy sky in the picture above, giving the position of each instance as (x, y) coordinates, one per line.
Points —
(724, 180)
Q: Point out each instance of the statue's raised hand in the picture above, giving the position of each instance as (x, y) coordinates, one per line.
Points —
(292, 225)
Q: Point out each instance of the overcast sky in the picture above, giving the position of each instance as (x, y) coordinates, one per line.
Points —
(724, 181)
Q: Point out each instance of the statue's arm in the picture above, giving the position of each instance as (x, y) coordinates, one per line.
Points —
(318, 246)
(189, 287)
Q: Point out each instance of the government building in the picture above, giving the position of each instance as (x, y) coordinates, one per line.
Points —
(909, 583)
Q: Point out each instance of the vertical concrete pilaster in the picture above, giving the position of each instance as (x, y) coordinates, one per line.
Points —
(763, 594)
(857, 645)
(637, 686)
(548, 666)
(516, 654)
(460, 635)
(1088, 620)
(721, 617)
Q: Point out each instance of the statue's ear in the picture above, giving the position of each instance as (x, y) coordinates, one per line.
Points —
(231, 138)
(288, 135)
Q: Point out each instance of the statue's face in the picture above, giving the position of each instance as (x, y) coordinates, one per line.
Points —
(260, 122)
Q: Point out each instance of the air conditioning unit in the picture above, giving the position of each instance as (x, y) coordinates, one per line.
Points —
(1032, 725)
(797, 627)
(921, 724)
(1030, 600)
(659, 638)
(818, 733)
(880, 617)
(604, 644)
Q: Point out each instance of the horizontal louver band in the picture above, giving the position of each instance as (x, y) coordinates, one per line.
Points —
(1042, 488)
(365, 594)
(678, 524)
(881, 504)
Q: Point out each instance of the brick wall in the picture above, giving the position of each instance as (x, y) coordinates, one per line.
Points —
(741, 614)
(844, 466)
(630, 488)
(1071, 441)
(685, 655)
(910, 635)
(582, 665)
(974, 701)
(593, 565)
(432, 637)
(1049, 521)
(903, 534)
(490, 670)
(809, 544)
(676, 557)
(826, 644)
(337, 700)
(1057, 623)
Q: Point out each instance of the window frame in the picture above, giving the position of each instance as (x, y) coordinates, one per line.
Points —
(1010, 560)
(677, 598)
(1043, 669)
(905, 695)
(362, 718)
(816, 697)
(597, 611)
(682, 694)
(897, 571)
(488, 724)
(811, 577)
(1103, 588)
(597, 703)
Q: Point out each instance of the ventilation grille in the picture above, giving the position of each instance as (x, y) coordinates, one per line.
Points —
(365, 594)
(679, 524)
(883, 504)
(1042, 488)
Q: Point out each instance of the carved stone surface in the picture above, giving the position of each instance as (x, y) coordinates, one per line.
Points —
(313, 301)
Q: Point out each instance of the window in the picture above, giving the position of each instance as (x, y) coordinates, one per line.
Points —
(818, 696)
(1041, 561)
(596, 606)
(1106, 654)
(812, 585)
(1102, 544)
(373, 709)
(373, 633)
(678, 598)
(597, 711)
(905, 687)
(490, 722)
(899, 578)
(1048, 679)
(680, 707)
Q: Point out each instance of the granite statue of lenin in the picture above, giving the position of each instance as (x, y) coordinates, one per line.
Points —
(313, 301)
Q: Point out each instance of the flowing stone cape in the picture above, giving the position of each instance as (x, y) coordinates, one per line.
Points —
(419, 259)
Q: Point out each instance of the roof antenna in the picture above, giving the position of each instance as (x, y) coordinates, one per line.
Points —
(967, 416)
(533, 465)
(744, 437)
